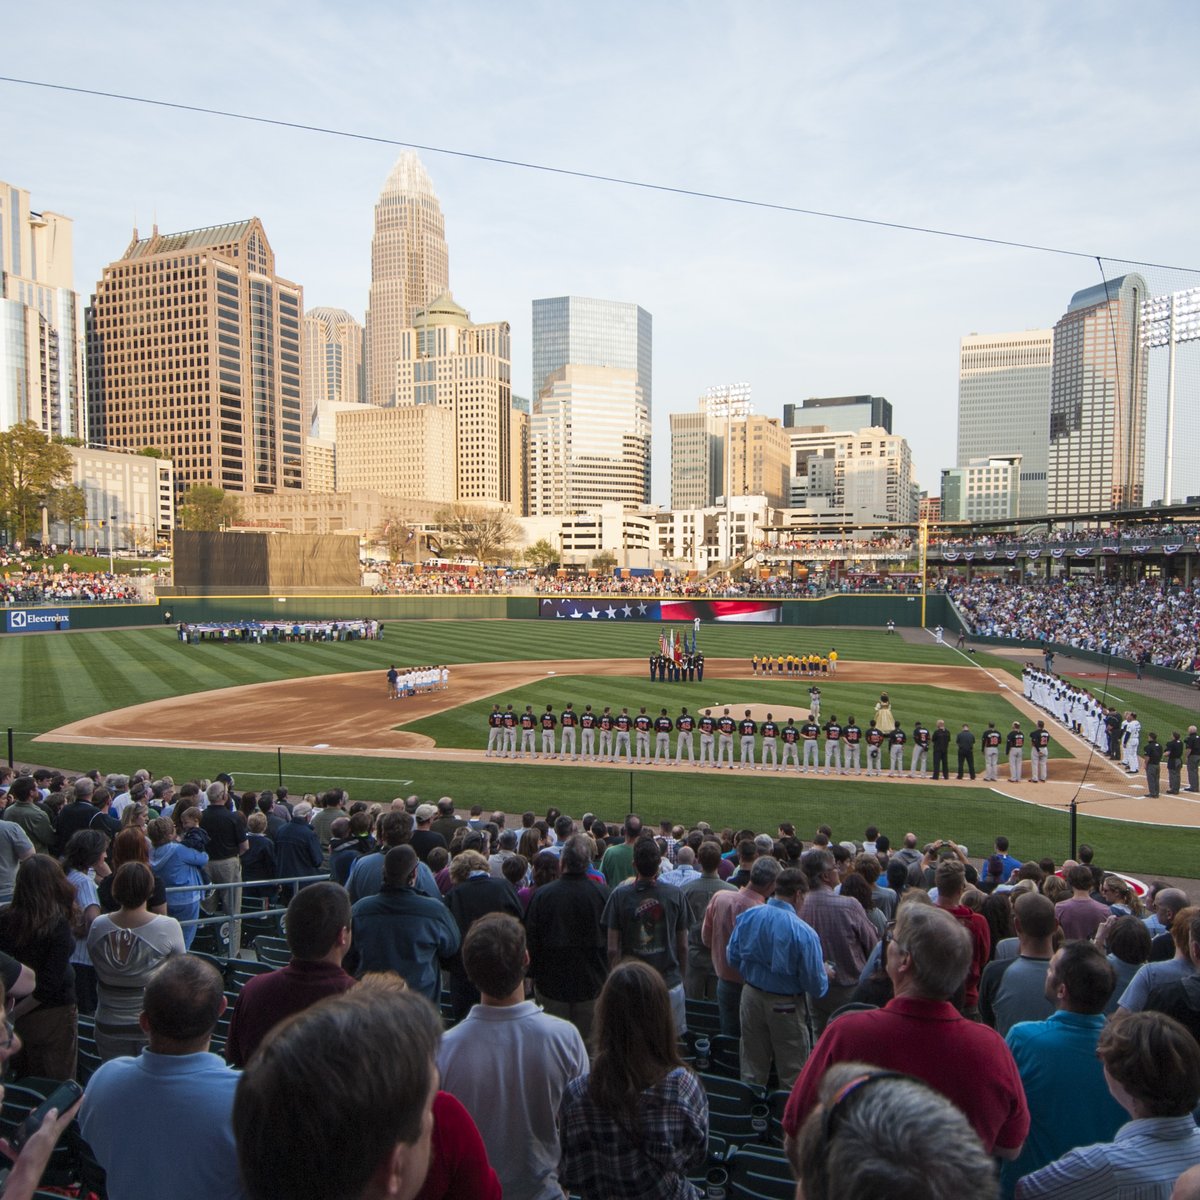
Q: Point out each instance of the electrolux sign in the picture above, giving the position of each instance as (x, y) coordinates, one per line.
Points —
(35, 620)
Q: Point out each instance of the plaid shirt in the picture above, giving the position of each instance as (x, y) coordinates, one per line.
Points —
(600, 1159)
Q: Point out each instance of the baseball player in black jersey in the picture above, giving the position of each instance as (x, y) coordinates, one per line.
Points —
(725, 728)
(684, 724)
(747, 728)
(769, 731)
(707, 726)
(662, 737)
(991, 750)
(791, 744)
(549, 724)
(642, 725)
(495, 730)
(587, 733)
(568, 720)
(1039, 752)
(1015, 745)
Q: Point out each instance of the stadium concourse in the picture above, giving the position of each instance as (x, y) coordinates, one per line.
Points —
(350, 713)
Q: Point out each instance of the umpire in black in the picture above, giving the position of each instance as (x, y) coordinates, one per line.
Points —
(965, 741)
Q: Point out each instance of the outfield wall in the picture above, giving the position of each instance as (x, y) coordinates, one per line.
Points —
(833, 610)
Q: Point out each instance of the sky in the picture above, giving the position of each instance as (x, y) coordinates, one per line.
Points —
(1058, 125)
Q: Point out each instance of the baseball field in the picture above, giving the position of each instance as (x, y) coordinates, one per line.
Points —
(315, 715)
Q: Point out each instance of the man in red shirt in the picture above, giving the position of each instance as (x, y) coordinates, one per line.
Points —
(920, 1033)
(318, 934)
(951, 880)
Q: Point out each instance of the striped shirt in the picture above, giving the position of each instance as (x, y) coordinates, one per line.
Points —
(1142, 1163)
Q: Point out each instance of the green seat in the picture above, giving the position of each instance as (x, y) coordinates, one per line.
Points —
(760, 1173)
(273, 951)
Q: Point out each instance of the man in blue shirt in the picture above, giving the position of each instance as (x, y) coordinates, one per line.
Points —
(1056, 1058)
(779, 957)
(181, 1083)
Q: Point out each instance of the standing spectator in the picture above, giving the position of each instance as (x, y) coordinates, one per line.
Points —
(506, 1037)
(258, 862)
(719, 918)
(424, 838)
(178, 866)
(85, 863)
(1056, 1057)
(349, 846)
(15, 848)
(779, 956)
(1180, 998)
(318, 935)
(1080, 916)
(76, 815)
(333, 805)
(638, 1124)
(474, 894)
(567, 948)
(357, 1073)
(950, 879)
(297, 849)
(25, 810)
(700, 976)
(1152, 1067)
(920, 1033)
(35, 929)
(130, 845)
(617, 863)
(126, 948)
(400, 930)
(649, 920)
(1015, 989)
(846, 933)
(227, 842)
(1156, 974)
(180, 1083)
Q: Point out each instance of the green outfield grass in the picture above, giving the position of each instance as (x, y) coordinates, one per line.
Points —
(51, 679)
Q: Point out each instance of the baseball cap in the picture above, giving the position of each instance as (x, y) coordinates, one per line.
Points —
(426, 812)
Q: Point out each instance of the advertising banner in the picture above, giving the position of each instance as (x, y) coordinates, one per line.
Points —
(36, 620)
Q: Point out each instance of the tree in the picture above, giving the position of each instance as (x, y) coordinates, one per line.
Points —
(541, 554)
(208, 508)
(151, 452)
(604, 561)
(31, 467)
(474, 531)
(67, 505)
(398, 537)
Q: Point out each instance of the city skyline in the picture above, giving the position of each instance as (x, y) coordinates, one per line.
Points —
(983, 123)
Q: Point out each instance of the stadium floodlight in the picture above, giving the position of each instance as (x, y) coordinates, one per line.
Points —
(1167, 321)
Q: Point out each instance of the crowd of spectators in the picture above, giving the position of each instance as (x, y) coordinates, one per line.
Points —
(50, 585)
(927, 1012)
(402, 579)
(1144, 622)
(1151, 534)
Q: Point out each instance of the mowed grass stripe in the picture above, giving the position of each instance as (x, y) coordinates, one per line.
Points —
(43, 684)
(174, 675)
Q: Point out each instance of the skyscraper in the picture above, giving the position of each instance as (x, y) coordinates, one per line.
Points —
(447, 361)
(846, 414)
(724, 450)
(1098, 400)
(333, 367)
(1004, 405)
(589, 442)
(589, 435)
(41, 347)
(409, 269)
(193, 347)
(592, 333)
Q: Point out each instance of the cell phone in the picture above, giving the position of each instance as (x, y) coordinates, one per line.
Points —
(65, 1096)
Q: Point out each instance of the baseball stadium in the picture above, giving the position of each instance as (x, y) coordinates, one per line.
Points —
(120, 685)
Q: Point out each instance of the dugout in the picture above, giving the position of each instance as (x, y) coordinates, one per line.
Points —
(265, 562)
